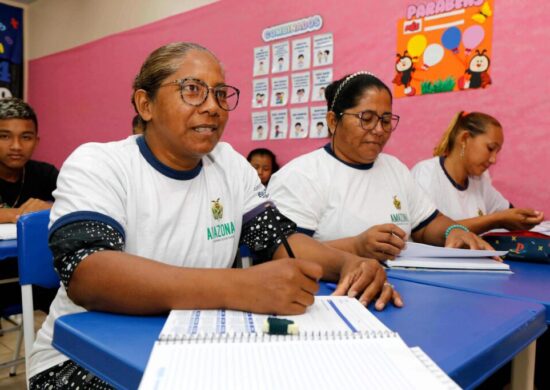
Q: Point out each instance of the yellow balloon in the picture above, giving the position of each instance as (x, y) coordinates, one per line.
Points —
(416, 45)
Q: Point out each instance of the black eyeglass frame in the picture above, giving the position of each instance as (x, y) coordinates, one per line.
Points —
(394, 117)
(181, 82)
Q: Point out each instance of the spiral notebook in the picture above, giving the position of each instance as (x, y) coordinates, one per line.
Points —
(340, 344)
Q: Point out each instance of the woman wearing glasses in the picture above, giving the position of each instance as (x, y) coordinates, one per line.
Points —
(351, 195)
(153, 222)
(458, 182)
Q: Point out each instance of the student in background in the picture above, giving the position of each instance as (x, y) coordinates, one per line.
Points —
(352, 196)
(458, 182)
(264, 162)
(25, 186)
(153, 223)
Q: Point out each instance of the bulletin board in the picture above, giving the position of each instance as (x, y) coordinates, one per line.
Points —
(11, 51)
(291, 71)
(444, 46)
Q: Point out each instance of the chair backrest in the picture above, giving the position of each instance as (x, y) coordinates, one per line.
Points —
(34, 256)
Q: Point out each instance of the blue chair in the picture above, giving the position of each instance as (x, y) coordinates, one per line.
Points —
(35, 268)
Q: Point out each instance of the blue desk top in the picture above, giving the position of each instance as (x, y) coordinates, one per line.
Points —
(8, 248)
(529, 282)
(468, 335)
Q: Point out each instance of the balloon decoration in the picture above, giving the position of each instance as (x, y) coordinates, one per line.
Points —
(416, 45)
(451, 39)
(432, 55)
(473, 36)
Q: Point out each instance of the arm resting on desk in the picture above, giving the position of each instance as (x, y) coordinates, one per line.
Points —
(511, 219)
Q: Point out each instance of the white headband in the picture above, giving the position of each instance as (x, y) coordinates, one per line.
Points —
(341, 86)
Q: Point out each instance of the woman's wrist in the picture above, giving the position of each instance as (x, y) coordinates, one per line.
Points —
(455, 227)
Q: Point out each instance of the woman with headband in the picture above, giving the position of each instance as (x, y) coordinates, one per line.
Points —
(458, 182)
(351, 195)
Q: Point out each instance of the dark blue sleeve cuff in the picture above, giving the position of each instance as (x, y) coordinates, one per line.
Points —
(426, 222)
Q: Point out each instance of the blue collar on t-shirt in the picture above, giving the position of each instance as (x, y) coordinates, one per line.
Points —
(454, 183)
(328, 149)
(164, 169)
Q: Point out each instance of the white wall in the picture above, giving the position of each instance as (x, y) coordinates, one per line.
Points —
(56, 25)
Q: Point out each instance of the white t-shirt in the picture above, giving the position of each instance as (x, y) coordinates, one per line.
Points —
(479, 197)
(333, 199)
(191, 218)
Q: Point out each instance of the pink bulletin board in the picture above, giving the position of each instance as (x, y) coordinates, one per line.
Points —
(83, 94)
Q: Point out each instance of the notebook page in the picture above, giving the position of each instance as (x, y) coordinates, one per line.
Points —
(319, 364)
(8, 231)
(327, 314)
(415, 249)
(435, 369)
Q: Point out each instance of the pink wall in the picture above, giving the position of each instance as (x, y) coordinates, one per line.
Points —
(83, 94)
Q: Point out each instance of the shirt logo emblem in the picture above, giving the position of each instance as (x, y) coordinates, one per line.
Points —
(396, 202)
(217, 209)
(479, 212)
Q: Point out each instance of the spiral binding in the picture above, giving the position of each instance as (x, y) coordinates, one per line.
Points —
(242, 337)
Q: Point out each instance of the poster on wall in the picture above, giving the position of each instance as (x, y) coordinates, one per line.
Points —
(444, 46)
(261, 61)
(301, 53)
(279, 124)
(260, 92)
(281, 57)
(279, 91)
(300, 87)
(299, 122)
(318, 128)
(11, 51)
(260, 127)
(323, 49)
(297, 73)
(321, 78)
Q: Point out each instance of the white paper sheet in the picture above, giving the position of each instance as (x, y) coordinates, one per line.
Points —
(8, 231)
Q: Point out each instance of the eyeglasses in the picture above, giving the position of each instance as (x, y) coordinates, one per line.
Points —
(369, 120)
(195, 92)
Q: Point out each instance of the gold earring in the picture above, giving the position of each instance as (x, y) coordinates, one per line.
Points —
(462, 151)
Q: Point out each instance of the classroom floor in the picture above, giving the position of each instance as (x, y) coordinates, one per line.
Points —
(7, 346)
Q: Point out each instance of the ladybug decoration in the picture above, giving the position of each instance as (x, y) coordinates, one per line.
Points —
(404, 65)
(477, 72)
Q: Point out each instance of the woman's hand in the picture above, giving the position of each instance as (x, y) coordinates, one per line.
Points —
(285, 286)
(458, 238)
(366, 280)
(380, 242)
(518, 219)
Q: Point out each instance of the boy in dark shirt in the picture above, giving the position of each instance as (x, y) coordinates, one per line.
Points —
(25, 185)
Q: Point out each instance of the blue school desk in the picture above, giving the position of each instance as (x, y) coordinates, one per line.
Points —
(468, 335)
(529, 282)
(8, 248)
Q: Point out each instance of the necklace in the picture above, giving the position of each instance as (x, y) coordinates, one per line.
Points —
(19, 194)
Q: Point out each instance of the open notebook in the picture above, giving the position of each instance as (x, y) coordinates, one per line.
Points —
(421, 256)
(340, 345)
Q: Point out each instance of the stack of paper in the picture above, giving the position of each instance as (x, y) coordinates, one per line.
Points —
(421, 256)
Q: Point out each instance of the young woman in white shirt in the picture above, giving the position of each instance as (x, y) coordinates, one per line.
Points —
(457, 177)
